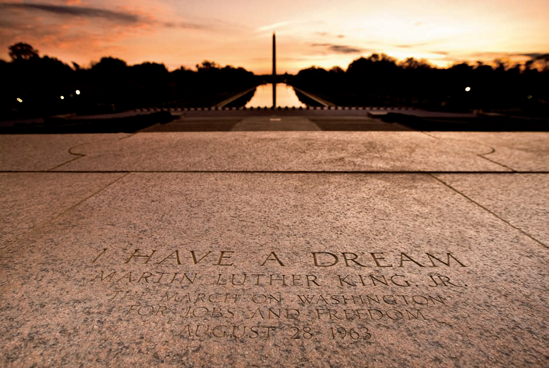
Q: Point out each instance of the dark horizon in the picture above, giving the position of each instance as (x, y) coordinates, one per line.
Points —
(38, 85)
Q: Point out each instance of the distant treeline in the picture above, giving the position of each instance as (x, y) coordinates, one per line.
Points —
(379, 80)
(37, 85)
(33, 85)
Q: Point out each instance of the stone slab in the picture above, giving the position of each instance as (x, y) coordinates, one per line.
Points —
(358, 124)
(219, 269)
(520, 199)
(275, 123)
(283, 151)
(42, 152)
(28, 200)
(520, 151)
(184, 124)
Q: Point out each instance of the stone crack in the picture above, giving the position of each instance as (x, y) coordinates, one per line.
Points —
(487, 210)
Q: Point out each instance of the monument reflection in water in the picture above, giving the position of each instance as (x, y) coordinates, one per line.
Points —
(285, 96)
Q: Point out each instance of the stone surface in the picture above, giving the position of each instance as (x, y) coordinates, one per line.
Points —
(520, 151)
(522, 200)
(28, 200)
(275, 123)
(184, 124)
(43, 152)
(283, 151)
(362, 124)
(67, 296)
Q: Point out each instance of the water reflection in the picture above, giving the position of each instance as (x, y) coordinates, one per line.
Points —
(285, 96)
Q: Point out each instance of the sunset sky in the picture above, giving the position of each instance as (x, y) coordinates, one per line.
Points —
(324, 33)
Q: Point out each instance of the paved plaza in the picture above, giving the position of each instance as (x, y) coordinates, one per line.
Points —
(303, 248)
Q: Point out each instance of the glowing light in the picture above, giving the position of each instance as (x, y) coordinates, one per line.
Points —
(62, 97)
(467, 89)
(19, 100)
(77, 91)
(529, 97)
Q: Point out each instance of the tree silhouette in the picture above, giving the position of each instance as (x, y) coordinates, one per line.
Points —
(379, 80)
(411, 63)
(207, 66)
(47, 86)
(22, 51)
(110, 65)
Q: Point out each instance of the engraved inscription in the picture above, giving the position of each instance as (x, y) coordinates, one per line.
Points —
(339, 295)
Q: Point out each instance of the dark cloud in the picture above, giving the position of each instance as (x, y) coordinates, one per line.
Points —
(490, 54)
(184, 25)
(503, 55)
(342, 49)
(534, 55)
(327, 34)
(432, 43)
(76, 11)
(338, 49)
(416, 45)
(87, 12)
(10, 23)
(531, 56)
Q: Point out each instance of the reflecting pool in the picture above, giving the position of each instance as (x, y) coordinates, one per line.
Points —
(285, 96)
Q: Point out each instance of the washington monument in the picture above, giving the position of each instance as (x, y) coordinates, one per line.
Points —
(274, 70)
